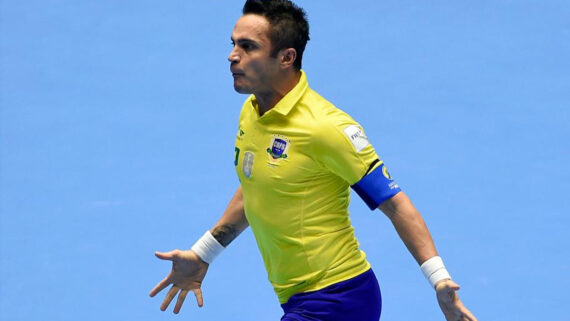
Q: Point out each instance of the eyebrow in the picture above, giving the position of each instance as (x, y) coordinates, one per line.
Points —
(243, 40)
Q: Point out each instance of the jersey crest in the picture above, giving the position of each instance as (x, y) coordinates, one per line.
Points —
(278, 148)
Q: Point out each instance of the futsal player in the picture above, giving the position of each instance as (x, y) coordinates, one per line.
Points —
(297, 156)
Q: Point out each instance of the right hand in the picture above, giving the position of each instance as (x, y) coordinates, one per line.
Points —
(187, 273)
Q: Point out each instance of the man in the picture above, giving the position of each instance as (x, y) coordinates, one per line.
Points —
(296, 156)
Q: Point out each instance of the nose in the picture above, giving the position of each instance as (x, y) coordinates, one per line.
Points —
(233, 57)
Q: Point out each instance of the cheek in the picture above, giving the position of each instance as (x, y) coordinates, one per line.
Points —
(261, 70)
(256, 68)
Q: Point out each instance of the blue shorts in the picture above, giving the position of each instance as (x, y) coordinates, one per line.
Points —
(354, 299)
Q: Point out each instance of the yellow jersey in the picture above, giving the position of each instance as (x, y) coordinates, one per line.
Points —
(296, 164)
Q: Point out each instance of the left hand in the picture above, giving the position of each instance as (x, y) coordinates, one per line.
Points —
(449, 302)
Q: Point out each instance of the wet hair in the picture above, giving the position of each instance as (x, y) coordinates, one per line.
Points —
(289, 27)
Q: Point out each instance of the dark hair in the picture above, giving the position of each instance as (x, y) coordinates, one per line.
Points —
(289, 25)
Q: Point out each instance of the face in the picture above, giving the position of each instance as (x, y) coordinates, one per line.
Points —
(253, 69)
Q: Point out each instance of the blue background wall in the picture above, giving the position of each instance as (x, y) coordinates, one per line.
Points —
(116, 139)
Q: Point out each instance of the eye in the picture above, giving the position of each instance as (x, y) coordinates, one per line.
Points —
(244, 45)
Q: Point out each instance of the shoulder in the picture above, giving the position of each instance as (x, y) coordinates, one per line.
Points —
(324, 113)
(331, 126)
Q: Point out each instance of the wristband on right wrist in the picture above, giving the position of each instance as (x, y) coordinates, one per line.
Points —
(434, 270)
(207, 247)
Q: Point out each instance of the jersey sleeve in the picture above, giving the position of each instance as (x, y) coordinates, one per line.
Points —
(342, 147)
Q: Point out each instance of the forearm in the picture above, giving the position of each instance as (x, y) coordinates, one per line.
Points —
(410, 227)
(232, 222)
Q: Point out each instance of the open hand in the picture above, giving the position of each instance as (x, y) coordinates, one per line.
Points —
(187, 273)
(449, 302)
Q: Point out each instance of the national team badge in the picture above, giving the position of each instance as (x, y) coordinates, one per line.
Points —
(278, 148)
(247, 164)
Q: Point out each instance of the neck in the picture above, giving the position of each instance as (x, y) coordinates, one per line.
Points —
(284, 84)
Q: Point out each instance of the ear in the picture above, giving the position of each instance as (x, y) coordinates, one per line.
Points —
(288, 57)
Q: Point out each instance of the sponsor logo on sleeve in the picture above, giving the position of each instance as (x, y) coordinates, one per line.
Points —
(357, 137)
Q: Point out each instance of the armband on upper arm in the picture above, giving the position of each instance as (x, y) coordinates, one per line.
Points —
(376, 187)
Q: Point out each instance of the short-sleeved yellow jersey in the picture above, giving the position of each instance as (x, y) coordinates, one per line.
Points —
(295, 165)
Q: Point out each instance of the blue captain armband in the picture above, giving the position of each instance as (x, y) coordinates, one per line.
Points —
(376, 187)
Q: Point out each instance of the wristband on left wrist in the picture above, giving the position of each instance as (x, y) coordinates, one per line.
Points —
(434, 270)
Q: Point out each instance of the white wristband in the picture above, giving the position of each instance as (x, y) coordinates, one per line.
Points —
(207, 247)
(434, 270)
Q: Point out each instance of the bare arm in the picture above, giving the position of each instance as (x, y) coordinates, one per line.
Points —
(410, 226)
(414, 233)
(232, 222)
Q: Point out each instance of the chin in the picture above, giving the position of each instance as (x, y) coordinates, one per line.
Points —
(242, 90)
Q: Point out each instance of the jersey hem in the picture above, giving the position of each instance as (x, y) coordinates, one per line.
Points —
(324, 282)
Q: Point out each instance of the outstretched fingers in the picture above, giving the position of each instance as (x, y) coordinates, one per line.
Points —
(165, 255)
(180, 300)
(169, 296)
(199, 298)
(160, 286)
(189, 274)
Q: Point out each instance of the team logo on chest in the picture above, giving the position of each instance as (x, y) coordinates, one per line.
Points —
(278, 148)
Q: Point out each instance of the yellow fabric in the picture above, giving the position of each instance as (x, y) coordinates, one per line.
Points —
(297, 204)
